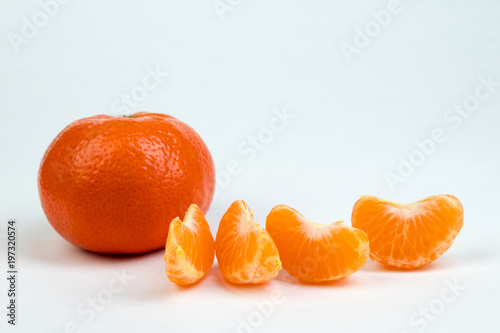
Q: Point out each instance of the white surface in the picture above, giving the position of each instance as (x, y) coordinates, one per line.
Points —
(353, 121)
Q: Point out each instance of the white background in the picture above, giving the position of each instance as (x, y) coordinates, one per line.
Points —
(353, 122)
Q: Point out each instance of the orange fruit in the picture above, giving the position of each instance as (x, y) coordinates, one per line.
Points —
(409, 235)
(314, 252)
(245, 251)
(113, 184)
(190, 248)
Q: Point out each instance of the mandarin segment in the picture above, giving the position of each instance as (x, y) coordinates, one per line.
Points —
(314, 252)
(409, 235)
(245, 252)
(190, 248)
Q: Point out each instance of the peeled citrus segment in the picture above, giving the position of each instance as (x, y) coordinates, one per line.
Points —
(189, 252)
(409, 235)
(245, 252)
(314, 252)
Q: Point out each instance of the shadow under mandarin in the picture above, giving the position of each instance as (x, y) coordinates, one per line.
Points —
(42, 243)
